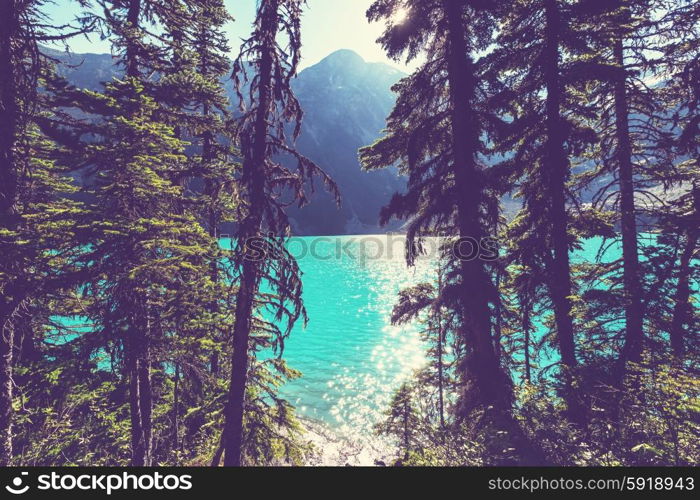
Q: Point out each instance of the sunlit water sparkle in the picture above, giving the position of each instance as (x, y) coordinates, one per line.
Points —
(351, 357)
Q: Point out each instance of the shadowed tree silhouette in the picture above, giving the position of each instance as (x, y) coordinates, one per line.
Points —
(25, 181)
(535, 65)
(435, 134)
(267, 187)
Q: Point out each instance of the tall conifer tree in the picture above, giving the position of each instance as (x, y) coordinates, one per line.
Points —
(265, 183)
(435, 133)
(143, 242)
(25, 154)
(537, 60)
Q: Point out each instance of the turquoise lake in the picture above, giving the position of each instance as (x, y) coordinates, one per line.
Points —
(351, 357)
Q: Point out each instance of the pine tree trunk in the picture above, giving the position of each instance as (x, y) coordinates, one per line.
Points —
(138, 458)
(441, 372)
(216, 459)
(527, 327)
(557, 166)
(213, 222)
(141, 397)
(233, 429)
(6, 413)
(254, 181)
(493, 388)
(176, 408)
(476, 328)
(498, 324)
(406, 440)
(146, 403)
(214, 361)
(437, 313)
(634, 335)
(138, 442)
(8, 200)
(8, 115)
(132, 60)
(682, 308)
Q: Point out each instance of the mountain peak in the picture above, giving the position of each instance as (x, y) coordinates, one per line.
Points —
(342, 60)
(346, 67)
(346, 101)
(344, 56)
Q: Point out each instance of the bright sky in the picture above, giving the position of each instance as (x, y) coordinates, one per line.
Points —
(327, 25)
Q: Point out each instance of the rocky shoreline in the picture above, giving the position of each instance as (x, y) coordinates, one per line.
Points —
(331, 449)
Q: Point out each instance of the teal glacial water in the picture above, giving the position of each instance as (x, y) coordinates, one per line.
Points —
(350, 355)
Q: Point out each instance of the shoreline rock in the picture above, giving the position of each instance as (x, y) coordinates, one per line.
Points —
(332, 449)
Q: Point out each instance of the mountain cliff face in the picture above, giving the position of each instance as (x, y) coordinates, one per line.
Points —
(345, 101)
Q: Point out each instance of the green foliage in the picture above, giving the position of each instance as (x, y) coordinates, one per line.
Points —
(401, 421)
(596, 138)
(136, 286)
(118, 305)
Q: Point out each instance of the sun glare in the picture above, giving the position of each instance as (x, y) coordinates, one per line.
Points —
(400, 15)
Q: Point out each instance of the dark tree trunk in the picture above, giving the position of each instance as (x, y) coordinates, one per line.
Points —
(141, 397)
(476, 328)
(8, 199)
(146, 404)
(8, 114)
(213, 220)
(634, 335)
(557, 167)
(406, 431)
(498, 328)
(441, 376)
(132, 57)
(527, 328)
(437, 312)
(133, 358)
(6, 413)
(439, 330)
(216, 459)
(254, 181)
(492, 386)
(682, 309)
(233, 429)
(176, 408)
(138, 445)
(214, 363)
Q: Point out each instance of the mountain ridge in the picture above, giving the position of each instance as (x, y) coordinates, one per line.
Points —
(345, 101)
